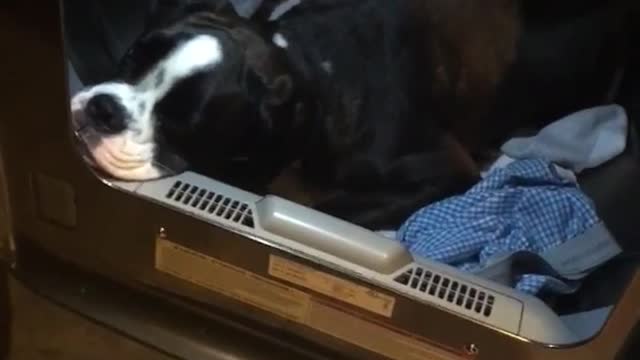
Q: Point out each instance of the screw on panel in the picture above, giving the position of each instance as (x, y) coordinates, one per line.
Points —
(472, 349)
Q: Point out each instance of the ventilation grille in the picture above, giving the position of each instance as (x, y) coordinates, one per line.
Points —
(452, 291)
(211, 203)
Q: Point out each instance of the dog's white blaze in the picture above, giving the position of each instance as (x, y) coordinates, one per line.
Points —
(129, 155)
(280, 41)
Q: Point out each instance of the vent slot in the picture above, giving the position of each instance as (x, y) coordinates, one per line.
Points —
(211, 203)
(454, 292)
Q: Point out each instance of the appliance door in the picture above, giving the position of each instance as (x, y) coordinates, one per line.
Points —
(181, 330)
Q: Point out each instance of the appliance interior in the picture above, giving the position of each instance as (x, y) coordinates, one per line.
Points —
(377, 271)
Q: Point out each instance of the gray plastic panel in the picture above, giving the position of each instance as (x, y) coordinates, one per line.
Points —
(358, 252)
(484, 301)
(331, 235)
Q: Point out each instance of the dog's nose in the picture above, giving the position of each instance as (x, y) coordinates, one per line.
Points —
(106, 114)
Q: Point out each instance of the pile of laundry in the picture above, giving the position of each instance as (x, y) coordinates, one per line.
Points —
(527, 224)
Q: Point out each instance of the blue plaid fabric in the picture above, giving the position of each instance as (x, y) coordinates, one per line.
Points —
(525, 206)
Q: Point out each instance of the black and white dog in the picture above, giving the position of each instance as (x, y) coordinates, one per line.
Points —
(356, 91)
(339, 85)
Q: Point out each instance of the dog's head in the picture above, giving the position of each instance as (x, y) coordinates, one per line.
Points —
(190, 93)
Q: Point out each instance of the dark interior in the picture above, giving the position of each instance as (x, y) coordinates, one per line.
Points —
(613, 187)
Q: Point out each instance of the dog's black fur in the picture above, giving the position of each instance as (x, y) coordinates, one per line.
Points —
(348, 97)
(369, 95)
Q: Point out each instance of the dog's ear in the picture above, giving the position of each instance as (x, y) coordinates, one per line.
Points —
(267, 79)
(269, 91)
(279, 89)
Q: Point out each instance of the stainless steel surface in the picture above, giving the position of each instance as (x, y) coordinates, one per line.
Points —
(65, 335)
(148, 319)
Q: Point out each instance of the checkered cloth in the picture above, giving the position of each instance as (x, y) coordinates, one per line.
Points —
(525, 206)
